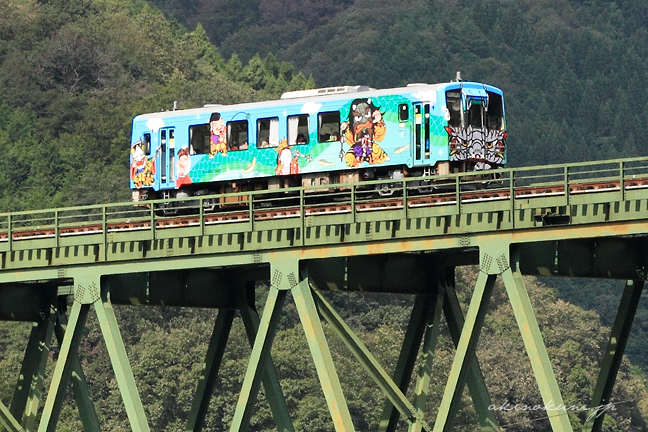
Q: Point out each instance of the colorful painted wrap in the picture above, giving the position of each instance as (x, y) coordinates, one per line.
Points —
(369, 132)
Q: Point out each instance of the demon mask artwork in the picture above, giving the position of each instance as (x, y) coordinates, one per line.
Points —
(362, 133)
(477, 145)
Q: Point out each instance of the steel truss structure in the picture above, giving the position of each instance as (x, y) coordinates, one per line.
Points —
(583, 220)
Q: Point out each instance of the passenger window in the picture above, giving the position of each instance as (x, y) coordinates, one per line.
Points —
(146, 143)
(403, 112)
(198, 139)
(328, 126)
(298, 129)
(237, 135)
(268, 132)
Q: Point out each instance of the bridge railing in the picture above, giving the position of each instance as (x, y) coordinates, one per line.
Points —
(246, 209)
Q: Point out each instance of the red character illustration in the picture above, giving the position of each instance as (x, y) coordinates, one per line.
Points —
(184, 166)
(287, 161)
(284, 158)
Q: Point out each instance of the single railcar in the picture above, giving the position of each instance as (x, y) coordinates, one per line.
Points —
(334, 135)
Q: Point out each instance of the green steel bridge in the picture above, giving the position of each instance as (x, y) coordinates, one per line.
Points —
(576, 220)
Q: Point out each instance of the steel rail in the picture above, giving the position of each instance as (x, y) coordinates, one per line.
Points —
(567, 180)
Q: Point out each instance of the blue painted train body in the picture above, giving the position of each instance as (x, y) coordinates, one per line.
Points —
(316, 137)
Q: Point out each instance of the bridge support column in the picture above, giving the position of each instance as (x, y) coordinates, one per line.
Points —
(28, 393)
(614, 355)
(245, 305)
(475, 379)
(258, 358)
(8, 421)
(394, 394)
(535, 347)
(424, 311)
(270, 380)
(426, 315)
(321, 354)
(209, 373)
(89, 292)
(29, 388)
(465, 350)
(119, 360)
(495, 259)
(63, 368)
(427, 356)
(87, 411)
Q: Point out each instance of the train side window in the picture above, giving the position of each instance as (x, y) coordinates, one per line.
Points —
(328, 126)
(298, 129)
(268, 132)
(403, 112)
(237, 135)
(198, 139)
(146, 143)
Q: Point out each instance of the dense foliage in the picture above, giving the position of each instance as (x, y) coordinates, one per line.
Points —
(604, 296)
(574, 73)
(167, 347)
(74, 72)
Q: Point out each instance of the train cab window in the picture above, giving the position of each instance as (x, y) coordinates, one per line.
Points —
(268, 132)
(495, 113)
(237, 135)
(198, 139)
(328, 126)
(403, 113)
(476, 113)
(453, 100)
(298, 129)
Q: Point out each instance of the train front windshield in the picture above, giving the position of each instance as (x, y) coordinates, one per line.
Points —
(475, 111)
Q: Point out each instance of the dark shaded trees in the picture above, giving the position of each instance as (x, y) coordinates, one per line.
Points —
(576, 68)
(167, 347)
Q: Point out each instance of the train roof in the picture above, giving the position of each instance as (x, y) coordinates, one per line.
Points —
(322, 94)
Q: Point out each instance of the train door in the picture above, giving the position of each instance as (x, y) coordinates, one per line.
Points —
(167, 158)
(421, 133)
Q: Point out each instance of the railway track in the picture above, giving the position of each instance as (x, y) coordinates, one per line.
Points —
(235, 215)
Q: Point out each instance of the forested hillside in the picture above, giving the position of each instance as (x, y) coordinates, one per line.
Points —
(575, 73)
(73, 73)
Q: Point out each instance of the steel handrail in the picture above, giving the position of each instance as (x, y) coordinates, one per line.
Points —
(513, 184)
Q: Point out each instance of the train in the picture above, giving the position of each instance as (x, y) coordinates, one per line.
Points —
(318, 137)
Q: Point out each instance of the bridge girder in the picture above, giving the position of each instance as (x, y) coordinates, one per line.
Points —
(557, 226)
